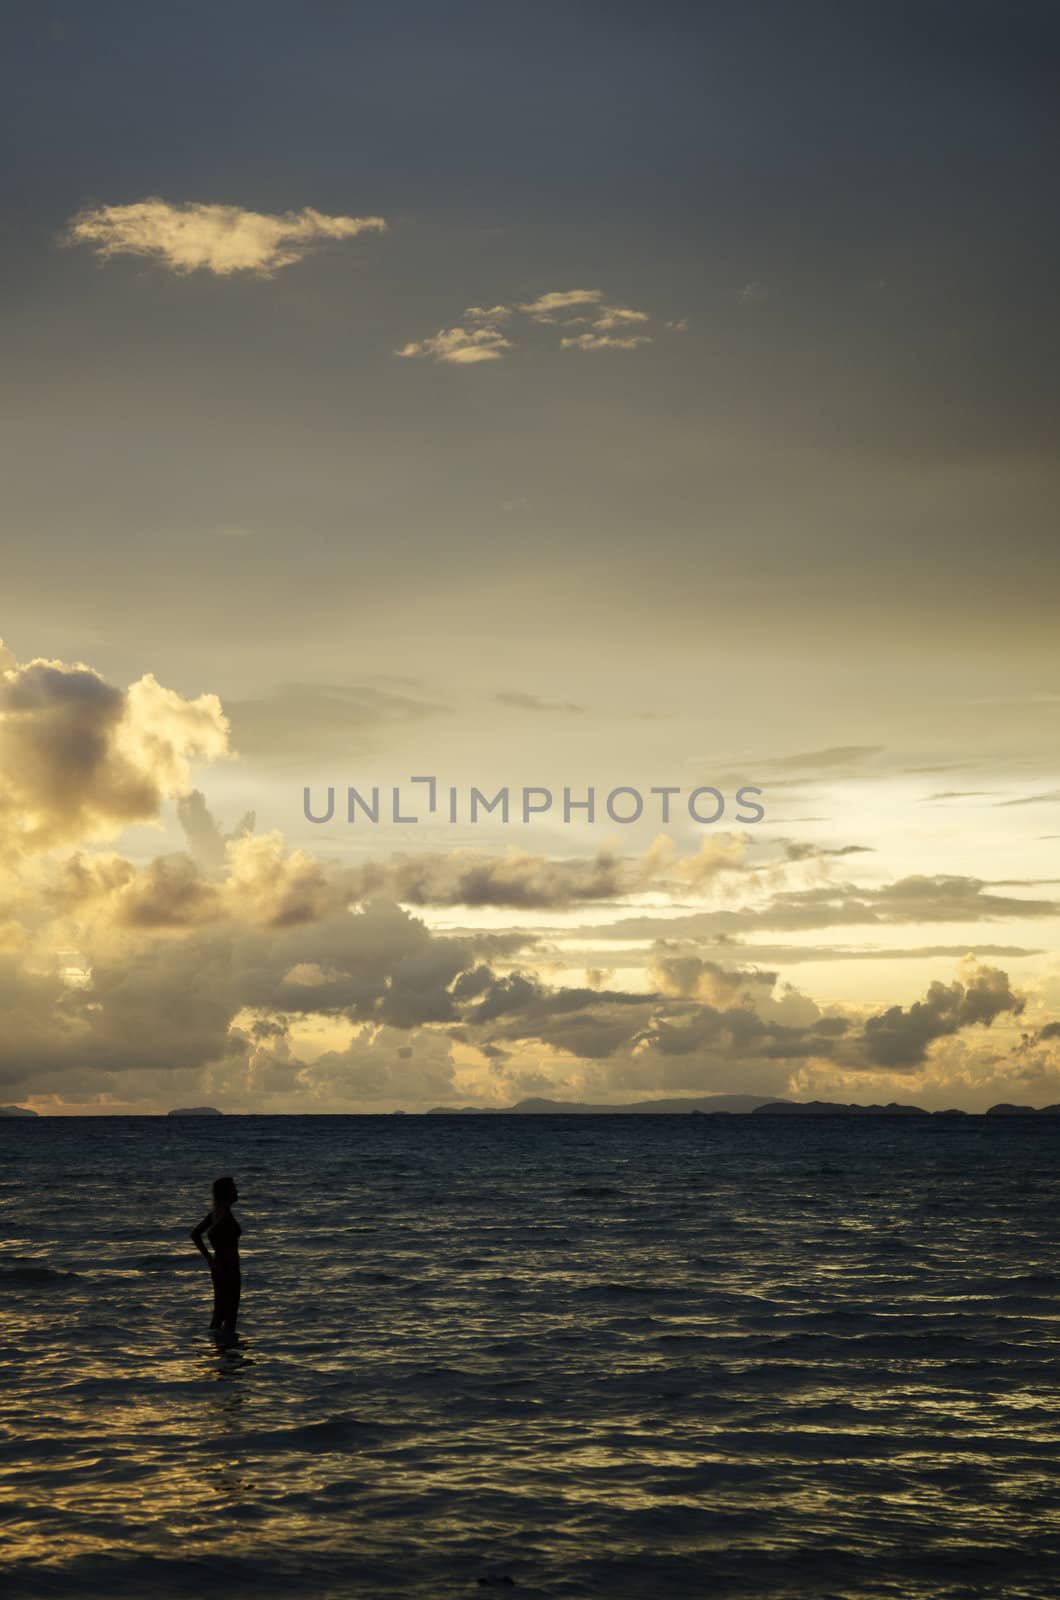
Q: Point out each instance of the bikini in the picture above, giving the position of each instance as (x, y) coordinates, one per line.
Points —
(224, 1236)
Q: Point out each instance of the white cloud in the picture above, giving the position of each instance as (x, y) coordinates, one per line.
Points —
(618, 317)
(460, 346)
(488, 314)
(479, 335)
(604, 341)
(543, 309)
(214, 238)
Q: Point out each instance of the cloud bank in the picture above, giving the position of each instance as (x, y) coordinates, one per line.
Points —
(243, 972)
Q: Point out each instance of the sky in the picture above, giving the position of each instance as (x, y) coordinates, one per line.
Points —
(569, 397)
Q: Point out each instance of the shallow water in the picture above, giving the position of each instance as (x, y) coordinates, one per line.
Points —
(554, 1356)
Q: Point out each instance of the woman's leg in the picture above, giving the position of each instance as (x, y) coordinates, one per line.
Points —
(218, 1308)
(229, 1303)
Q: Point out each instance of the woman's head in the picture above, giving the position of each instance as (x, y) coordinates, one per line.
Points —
(224, 1192)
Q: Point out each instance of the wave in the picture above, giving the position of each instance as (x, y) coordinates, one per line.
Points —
(39, 1275)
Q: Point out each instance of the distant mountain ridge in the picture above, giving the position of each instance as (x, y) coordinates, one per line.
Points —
(840, 1108)
(730, 1105)
(17, 1111)
(739, 1103)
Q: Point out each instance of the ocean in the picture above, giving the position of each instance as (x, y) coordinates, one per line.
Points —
(562, 1356)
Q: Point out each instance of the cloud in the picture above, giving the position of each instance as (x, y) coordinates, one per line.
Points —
(609, 326)
(378, 1059)
(898, 1038)
(604, 341)
(223, 978)
(246, 973)
(1048, 798)
(681, 972)
(727, 1029)
(806, 768)
(792, 954)
(80, 758)
(531, 702)
(205, 839)
(481, 332)
(841, 757)
(618, 317)
(917, 899)
(488, 314)
(522, 879)
(221, 239)
(298, 722)
(544, 308)
(460, 346)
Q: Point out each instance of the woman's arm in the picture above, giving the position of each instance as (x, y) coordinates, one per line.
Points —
(197, 1233)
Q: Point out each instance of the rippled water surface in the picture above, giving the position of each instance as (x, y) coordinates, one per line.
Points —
(552, 1356)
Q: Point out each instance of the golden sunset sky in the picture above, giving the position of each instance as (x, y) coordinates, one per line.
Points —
(576, 396)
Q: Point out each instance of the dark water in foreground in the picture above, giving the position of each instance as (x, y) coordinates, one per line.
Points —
(625, 1356)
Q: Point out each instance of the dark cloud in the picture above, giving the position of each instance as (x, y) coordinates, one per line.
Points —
(521, 879)
(79, 756)
(799, 850)
(312, 723)
(919, 898)
(471, 878)
(531, 702)
(898, 1039)
(206, 841)
(837, 757)
(1049, 798)
(685, 973)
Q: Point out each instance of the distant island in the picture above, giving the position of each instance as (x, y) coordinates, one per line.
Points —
(540, 1107)
(1004, 1110)
(838, 1108)
(195, 1111)
(731, 1105)
(17, 1111)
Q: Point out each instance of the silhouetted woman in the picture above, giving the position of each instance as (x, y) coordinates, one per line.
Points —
(222, 1229)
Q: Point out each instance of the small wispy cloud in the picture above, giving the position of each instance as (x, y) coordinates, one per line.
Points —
(618, 317)
(603, 341)
(522, 701)
(487, 314)
(545, 307)
(220, 239)
(481, 334)
(1033, 799)
(461, 346)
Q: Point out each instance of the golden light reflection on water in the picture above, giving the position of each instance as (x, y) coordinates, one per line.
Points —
(457, 1348)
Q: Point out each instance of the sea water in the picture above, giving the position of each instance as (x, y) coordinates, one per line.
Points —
(637, 1356)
